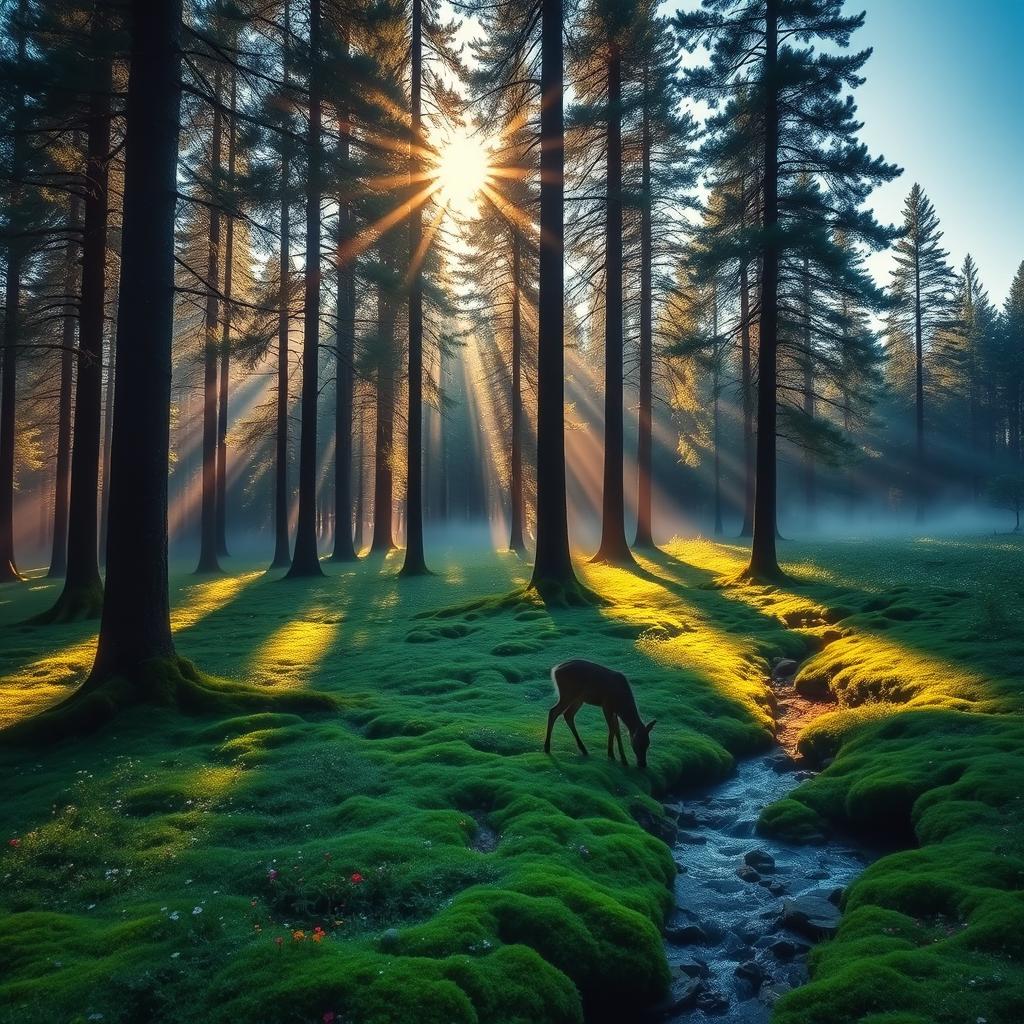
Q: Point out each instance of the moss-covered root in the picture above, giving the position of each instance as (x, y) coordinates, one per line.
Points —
(75, 604)
(165, 682)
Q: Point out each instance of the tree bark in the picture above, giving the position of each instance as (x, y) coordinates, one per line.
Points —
(645, 441)
(516, 542)
(553, 573)
(82, 596)
(919, 470)
(208, 561)
(306, 559)
(344, 548)
(415, 563)
(716, 386)
(225, 341)
(763, 557)
(61, 485)
(810, 475)
(282, 551)
(135, 627)
(383, 478)
(108, 417)
(613, 549)
(12, 329)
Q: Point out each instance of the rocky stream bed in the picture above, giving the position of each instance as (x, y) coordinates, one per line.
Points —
(748, 908)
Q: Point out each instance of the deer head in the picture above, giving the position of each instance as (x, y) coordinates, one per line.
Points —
(640, 740)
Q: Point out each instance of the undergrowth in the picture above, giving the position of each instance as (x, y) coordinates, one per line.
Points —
(412, 855)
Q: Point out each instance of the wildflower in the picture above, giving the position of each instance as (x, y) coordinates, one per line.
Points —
(272, 874)
(196, 910)
(174, 915)
(252, 903)
(298, 936)
(318, 934)
(327, 856)
(356, 878)
(14, 842)
(278, 941)
(174, 956)
(328, 1017)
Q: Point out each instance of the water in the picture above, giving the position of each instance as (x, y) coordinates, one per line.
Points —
(730, 952)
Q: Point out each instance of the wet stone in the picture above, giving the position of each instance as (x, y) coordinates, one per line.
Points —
(693, 968)
(686, 935)
(691, 839)
(747, 873)
(813, 916)
(682, 995)
(712, 1002)
(759, 860)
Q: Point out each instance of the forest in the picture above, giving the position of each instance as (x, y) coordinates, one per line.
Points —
(383, 382)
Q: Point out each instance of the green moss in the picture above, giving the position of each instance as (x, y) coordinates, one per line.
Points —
(497, 884)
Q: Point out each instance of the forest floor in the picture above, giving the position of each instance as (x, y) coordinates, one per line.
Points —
(414, 855)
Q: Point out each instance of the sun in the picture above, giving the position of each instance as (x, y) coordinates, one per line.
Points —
(463, 167)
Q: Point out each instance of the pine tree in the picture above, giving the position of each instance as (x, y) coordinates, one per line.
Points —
(921, 290)
(804, 128)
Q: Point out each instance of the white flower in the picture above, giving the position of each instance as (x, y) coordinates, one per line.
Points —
(174, 956)
(174, 915)
(196, 910)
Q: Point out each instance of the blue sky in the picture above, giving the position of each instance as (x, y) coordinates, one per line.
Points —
(943, 101)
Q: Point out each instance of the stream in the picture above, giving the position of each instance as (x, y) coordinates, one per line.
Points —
(748, 908)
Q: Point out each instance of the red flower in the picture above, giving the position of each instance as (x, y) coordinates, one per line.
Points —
(14, 842)
(356, 877)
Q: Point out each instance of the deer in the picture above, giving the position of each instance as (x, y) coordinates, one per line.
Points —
(580, 682)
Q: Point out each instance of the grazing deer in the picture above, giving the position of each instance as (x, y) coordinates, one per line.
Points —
(580, 682)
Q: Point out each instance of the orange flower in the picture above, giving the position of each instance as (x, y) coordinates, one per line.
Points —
(298, 936)
(318, 934)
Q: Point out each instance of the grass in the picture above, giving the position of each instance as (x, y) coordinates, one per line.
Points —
(413, 854)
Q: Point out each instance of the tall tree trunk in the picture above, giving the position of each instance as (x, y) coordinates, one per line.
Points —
(360, 513)
(282, 551)
(136, 628)
(383, 477)
(763, 558)
(108, 423)
(415, 563)
(225, 341)
(208, 561)
(810, 475)
(920, 471)
(746, 384)
(613, 548)
(553, 573)
(645, 441)
(59, 555)
(345, 354)
(12, 327)
(306, 559)
(82, 596)
(516, 541)
(716, 385)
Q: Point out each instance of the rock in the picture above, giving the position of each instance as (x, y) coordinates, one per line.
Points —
(691, 839)
(747, 873)
(760, 860)
(712, 1002)
(686, 935)
(693, 968)
(776, 888)
(784, 670)
(658, 826)
(818, 875)
(682, 995)
(812, 916)
(688, 819)
(772, 992)
(388, 939)
(786, 949)
(835, 897)
(734, 947)
(749, 976)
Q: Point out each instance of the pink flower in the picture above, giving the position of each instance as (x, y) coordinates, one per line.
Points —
(328, 1017)
(14, 842)
(272, 874)
(356, 877)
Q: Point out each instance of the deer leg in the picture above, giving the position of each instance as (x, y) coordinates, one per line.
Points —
(570, 716)
(618, 736)
(613, 730)
(552, 717)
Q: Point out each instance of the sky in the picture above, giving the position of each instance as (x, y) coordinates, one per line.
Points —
(943, 101)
